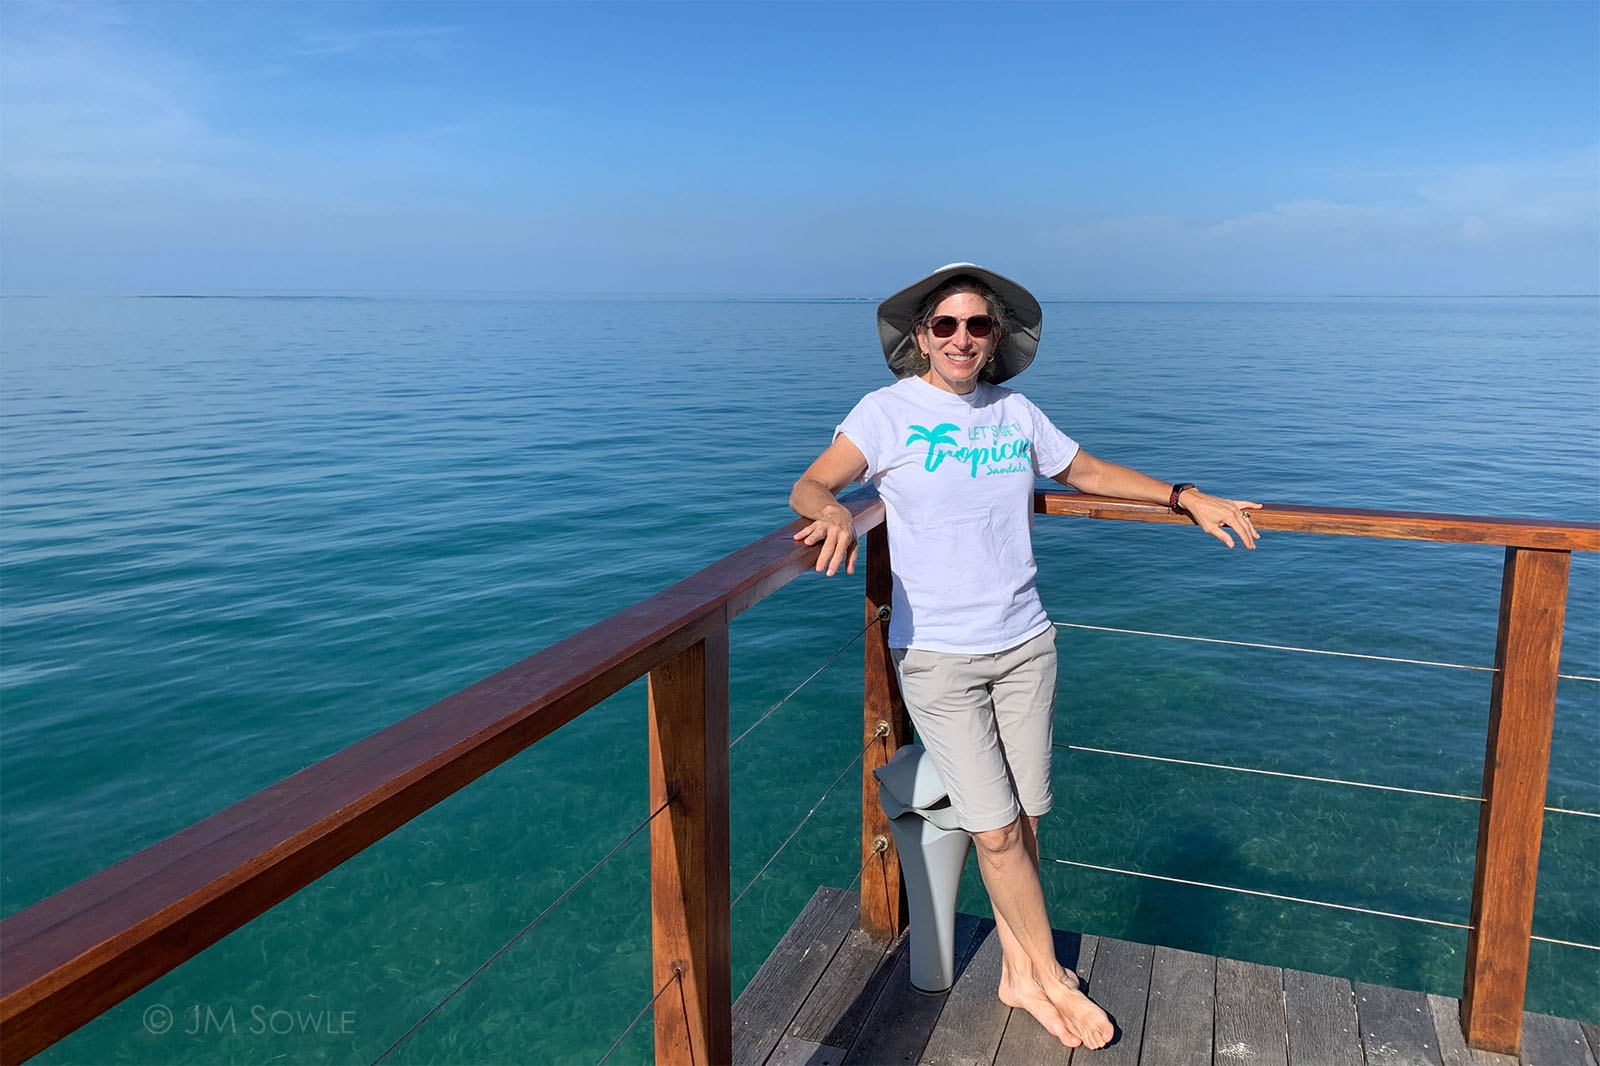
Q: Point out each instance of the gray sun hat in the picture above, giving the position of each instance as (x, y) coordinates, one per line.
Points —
(1024, 316)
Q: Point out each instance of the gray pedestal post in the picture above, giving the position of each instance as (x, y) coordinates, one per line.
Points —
(933, 850)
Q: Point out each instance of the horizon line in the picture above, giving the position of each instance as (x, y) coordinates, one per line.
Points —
(246, 293)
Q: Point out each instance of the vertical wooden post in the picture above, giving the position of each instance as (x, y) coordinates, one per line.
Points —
(689, 902)
(883, 909)
(1533, 606)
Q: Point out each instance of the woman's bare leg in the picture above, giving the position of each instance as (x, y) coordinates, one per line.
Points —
(1031, 977)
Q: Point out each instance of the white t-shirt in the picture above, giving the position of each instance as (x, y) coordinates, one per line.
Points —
(956, 474)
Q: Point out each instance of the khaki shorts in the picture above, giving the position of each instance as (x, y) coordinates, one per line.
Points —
(987, 721)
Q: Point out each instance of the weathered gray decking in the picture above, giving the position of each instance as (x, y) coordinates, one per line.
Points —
(828, 994)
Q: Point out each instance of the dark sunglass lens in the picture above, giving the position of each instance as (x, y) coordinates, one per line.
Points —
(943, 326)
(980, 325)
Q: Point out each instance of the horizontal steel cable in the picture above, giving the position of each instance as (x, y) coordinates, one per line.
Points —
(881, 731)
(1306, 651)
(677, 976)
(883, 612)
(1254, 892)
(1564, 943)
(1301, 777)
(522, 932)
(1270, 773)
(1293, 899)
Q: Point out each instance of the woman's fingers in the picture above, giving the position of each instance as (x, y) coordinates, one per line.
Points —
(1241, 521)
(1216, 530)
(1240, 524)
(1216, 515)
(811, 534)
(838, 546)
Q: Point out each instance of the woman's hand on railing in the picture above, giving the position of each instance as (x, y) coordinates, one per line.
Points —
(835, 530)
(1217, 515)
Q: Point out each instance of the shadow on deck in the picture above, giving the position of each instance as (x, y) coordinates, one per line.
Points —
(829, 994)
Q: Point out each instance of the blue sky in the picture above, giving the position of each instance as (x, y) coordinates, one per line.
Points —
(1102, 149)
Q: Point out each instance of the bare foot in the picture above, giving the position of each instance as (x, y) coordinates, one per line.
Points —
(1086, 1022)
(1027, 995)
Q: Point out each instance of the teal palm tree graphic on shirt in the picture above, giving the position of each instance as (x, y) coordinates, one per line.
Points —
(936, 436)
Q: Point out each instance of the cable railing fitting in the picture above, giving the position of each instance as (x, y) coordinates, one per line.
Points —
(881, 731)
(677, 976)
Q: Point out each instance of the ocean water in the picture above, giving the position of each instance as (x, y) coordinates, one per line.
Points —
(238, 534)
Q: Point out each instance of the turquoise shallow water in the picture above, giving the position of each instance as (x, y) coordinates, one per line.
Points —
(239, 534)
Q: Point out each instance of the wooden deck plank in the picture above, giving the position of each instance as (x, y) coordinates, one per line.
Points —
(1250, 1027)
(1121, 986)
(1198, 1009)
(1453, 1049)
(1550, 1041)
(1026, 1042)
(1321, 1014)
(969, 1029)
(832, 1014)
(1591, 1033)
(768, 1004)
(900, 1022)
(794, 1051)
(1396, 1027)
(1178, 1021)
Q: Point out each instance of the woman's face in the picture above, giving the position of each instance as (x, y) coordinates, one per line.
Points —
(954, 361)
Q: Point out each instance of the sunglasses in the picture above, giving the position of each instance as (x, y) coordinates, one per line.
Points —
(945, 325)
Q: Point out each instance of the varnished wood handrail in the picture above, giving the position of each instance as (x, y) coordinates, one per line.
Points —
(70, 957)
(1348, 522)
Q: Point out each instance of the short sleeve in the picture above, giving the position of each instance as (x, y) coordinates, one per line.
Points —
(865, 426)
(1053, 450)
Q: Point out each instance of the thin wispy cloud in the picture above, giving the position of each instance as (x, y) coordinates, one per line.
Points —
(1515, 225)
(78, 108)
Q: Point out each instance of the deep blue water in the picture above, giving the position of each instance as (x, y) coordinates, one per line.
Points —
(239, 534)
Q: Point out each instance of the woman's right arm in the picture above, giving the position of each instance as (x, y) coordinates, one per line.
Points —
(815, 496)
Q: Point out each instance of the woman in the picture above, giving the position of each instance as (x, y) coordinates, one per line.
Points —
(954, 457)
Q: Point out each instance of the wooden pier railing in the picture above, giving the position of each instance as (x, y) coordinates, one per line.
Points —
(68, 958)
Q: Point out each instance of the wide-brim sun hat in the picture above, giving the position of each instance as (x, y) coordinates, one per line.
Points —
(1018, 344)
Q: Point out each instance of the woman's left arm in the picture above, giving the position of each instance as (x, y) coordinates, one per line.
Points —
(1214, 514)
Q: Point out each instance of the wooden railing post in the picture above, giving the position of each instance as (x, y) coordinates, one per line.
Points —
(689, 902)
(1533, 606)
(883, 911)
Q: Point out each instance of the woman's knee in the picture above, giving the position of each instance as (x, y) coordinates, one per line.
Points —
(999, 841)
